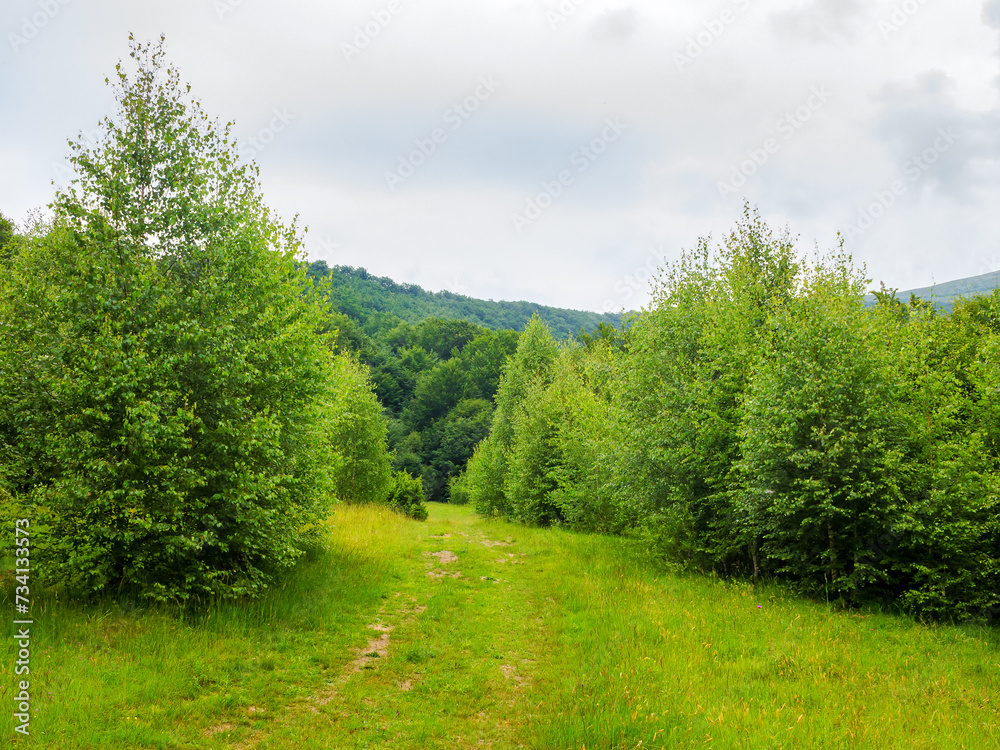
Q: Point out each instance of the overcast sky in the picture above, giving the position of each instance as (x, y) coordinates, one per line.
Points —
(555, 150)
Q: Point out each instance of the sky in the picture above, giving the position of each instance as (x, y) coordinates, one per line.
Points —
(557, 151)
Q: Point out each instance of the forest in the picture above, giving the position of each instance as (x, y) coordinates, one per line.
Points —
(366, 299)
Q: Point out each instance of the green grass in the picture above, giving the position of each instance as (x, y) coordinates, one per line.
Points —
(493, 635)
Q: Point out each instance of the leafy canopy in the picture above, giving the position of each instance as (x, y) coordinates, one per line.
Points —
(167, 405)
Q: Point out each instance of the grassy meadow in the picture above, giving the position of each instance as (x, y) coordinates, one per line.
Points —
(465, 633)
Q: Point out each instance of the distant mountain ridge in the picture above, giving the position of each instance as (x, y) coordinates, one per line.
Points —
(359, 294)
(946, 293)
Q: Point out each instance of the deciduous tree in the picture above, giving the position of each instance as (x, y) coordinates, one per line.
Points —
(165, 397)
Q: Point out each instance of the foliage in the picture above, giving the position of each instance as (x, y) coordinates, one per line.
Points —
(604, 335)
(406, 494)
(8, 233)
(488, 467)
(166, 402)
(690, 359)
(559, 462)
(358, 435)
(450, 443)
(758, 419)
(436, 381)
(820, 467)
(533, 456)
(946, 562)
(458, 489)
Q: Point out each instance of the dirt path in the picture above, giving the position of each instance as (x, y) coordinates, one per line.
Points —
(449, 658)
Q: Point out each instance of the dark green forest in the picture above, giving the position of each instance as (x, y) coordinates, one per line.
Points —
(363, 297)
(435, 361)
(436, 381)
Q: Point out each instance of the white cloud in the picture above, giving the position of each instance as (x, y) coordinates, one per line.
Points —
(820, 21)
(355, 118)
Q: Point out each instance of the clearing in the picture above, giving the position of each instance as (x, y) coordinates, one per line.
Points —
(465, 633)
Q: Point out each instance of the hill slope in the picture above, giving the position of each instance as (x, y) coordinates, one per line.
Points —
(358, 294)
(947, 293)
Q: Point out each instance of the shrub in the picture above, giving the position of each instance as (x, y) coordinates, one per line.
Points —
(406, 495)
(458, 489)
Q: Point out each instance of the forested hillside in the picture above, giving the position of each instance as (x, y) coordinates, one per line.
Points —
(436, 381)
(360, 295)
(435, 361)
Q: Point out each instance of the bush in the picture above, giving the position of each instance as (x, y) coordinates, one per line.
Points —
(406, 495)
(458, 489)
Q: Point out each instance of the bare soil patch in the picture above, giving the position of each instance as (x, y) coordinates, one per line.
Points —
(444, 556)
(438, 573)
(493, 543)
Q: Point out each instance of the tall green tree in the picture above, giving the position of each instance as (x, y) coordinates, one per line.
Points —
(690, 359)
(821, 449)
(165, 398)
(558, 469)
(362, 472)
(483, 360)
(446, 446)
(488, 467)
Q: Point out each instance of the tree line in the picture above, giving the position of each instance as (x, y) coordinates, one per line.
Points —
(758, 420)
